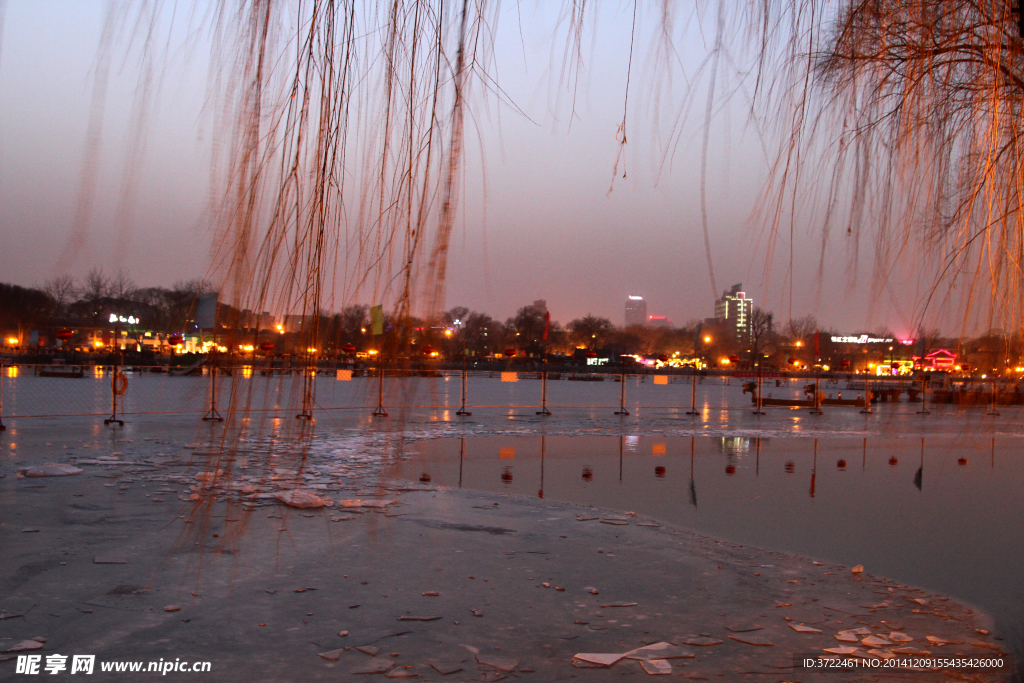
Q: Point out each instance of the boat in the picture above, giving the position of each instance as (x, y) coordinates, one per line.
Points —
(59, 371)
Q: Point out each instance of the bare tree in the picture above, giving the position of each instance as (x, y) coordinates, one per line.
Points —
(761, 333)
(802, 329)
(62, 290)
(121, 285)
(590, 331)
(97, 285)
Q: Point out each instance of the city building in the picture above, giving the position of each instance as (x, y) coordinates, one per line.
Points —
(636, 310)
(658, 321)
(734, 309)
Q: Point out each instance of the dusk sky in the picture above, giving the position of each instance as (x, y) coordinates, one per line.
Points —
(538, 220)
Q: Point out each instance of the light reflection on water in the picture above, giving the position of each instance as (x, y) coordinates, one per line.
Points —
(945, 513)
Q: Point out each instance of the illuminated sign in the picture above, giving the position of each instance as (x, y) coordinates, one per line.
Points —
(635, 298)
(597, 361)
(131, 320)
(865, 339)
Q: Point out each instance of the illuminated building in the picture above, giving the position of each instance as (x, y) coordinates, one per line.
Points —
(636, 310)
(659, 321)
(735, 309)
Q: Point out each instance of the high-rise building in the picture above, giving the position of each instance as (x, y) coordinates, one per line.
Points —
(636, 310)
(735, 309)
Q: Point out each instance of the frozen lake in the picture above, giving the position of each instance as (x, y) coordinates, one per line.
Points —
(945, 513)
(929, 499)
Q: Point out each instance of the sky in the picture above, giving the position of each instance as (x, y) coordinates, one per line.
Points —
(540, 219)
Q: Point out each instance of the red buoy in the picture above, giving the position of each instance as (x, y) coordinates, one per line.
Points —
(349, 348)
(510, 352)
(175, 339)
(267, 346)
(65, 335)
(663, 358)
(591, 353)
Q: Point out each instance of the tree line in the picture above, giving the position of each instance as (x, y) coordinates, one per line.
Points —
(63, 301)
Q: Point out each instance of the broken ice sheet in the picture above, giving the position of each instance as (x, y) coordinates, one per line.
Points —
(333, 655)
(445, 668)
(580, 664)
(898, 637)
(752, 640)
(842, 650)
(49, 470)
(25, 645)
(801, 628)
(935, 640)
(620, 603)
(598, 658)
(499, 662)
(876, 641)
(656, 667)
(375, 666)
(659, 651)
(702, 641)
(300, 499)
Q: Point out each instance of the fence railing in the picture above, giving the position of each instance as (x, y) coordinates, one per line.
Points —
(33, 391)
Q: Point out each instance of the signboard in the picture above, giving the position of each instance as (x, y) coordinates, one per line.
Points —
(509, 377)
(344, 375)
(755, 375)
(661, 379)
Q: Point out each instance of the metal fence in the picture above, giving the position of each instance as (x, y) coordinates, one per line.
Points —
(34, 391)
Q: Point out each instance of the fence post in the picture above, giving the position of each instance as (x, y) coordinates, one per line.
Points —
(115, 377)
(2, 427)
(924, 408)
(379, 411)
(622, 387)
(760, 384)
(462, 388)
(993, 411)
(212, 415)
(693, 392)
(544, 386)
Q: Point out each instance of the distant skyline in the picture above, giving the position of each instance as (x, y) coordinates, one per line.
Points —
(540, 217)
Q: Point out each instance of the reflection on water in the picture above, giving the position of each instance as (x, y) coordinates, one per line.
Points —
(943, 512)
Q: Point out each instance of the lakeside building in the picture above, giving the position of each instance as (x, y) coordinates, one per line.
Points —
(734, 309)
(636, 310)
